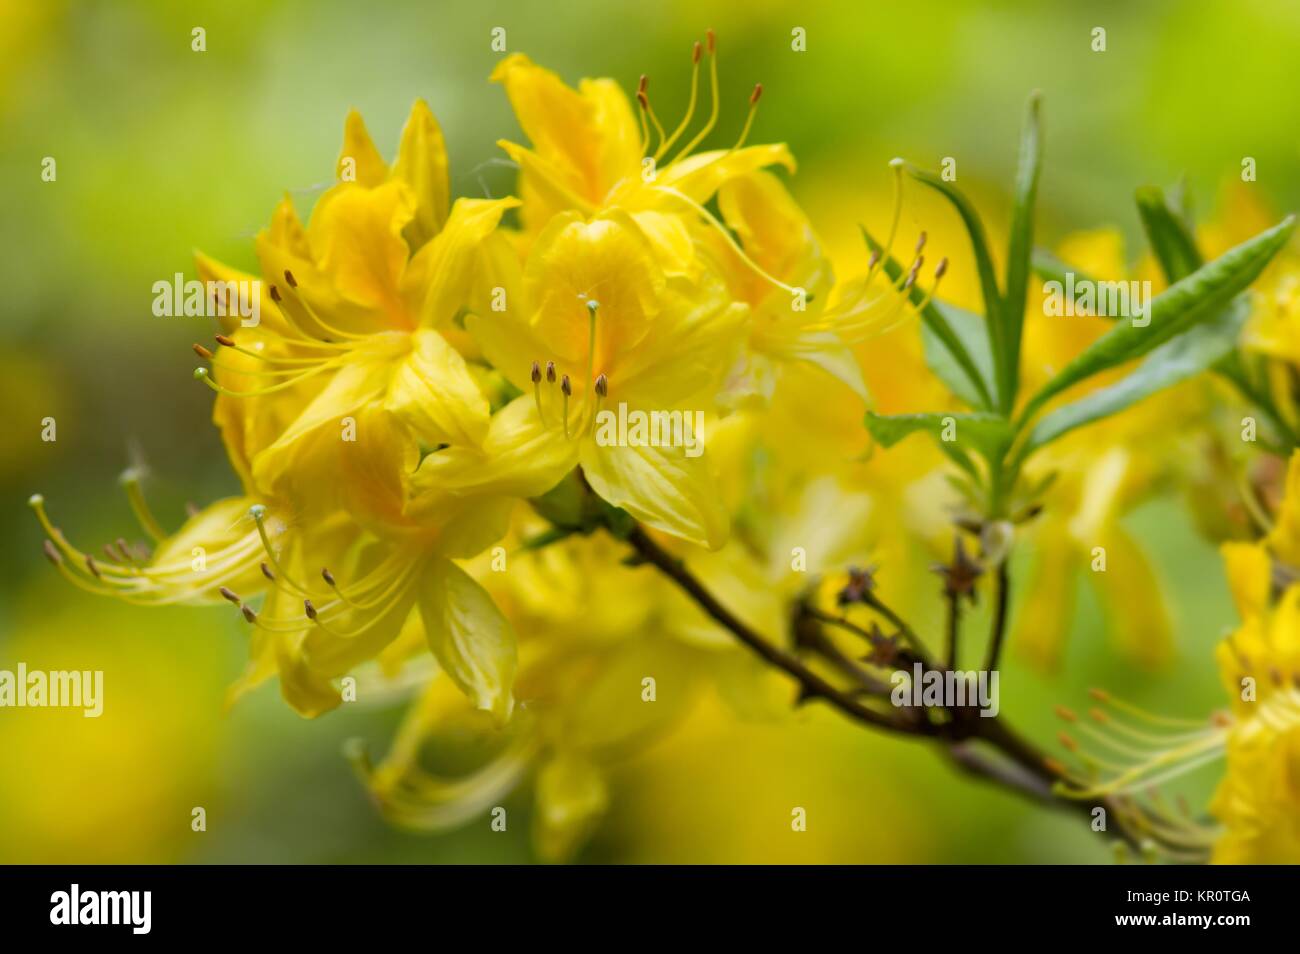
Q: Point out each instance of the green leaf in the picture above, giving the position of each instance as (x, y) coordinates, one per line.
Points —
(1021, 246)
(1184, 304)
(957, 347)
(969, 330)
(983, 265)
(1171, 240)
(988, 434)
(1182, 357)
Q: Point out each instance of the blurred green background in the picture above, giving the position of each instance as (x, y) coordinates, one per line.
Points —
(161, 150)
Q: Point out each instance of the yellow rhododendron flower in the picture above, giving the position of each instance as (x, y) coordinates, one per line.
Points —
(595, 332)
(362, 304)
(588, 153)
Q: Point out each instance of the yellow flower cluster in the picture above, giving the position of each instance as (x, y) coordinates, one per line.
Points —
(421, 367)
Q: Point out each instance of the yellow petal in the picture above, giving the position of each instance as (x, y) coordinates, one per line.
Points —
(434, 394)
(697, 339)
(607, 260)
(1134, 604)
(359, 154)
(451, 261)
(521, 457)
(422, 165)
(356, 238)
(572, 797)
(346, 635)
(775, 234)
(699, 176)
(354, 386)
(661, 487)
(468, 636)
(589, 136)
(1249, 572)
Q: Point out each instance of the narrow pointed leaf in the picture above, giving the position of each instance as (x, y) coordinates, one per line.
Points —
(1020, 249)
(1186, 303)
(1171, 240)
(983, 265)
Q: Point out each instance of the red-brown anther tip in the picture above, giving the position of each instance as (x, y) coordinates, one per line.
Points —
(51, 553)
(1221, 719)
(642, 100)
(1098, 715)
(941, 269)
(266, 572)
(91, 566)
(1053, 766)
(565, 386)
(309, 609)
(642, 83)
(920, 241)
(327, 576)
(202, 352)
(550, 372)
(536, 373)
(229, 594)
(1101, 695)
(758, 91)
(713, 40)
(248, 613)
(288, 277)
(226, 341)
(275, 294)
(1063, 713)
(602, 385)
(1068, 742)
(696, 52)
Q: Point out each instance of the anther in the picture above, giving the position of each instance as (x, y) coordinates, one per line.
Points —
(536, 374)
(696, 52)
(266, 572)
(91, 565)
(758, 91)
(1101, 695)
(275, 294)
(550, 372)
(713, 41)
(941, 269)
(229, 594)
(1098, 715)
(327, 576)
(1063, 713)
(52, 554)
(565, 387)
(226, 341)
(920, 243)
(602, 385)
(288, 277)
(309, 609)
(202, 352)
(248, 613)
(1068, 742)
